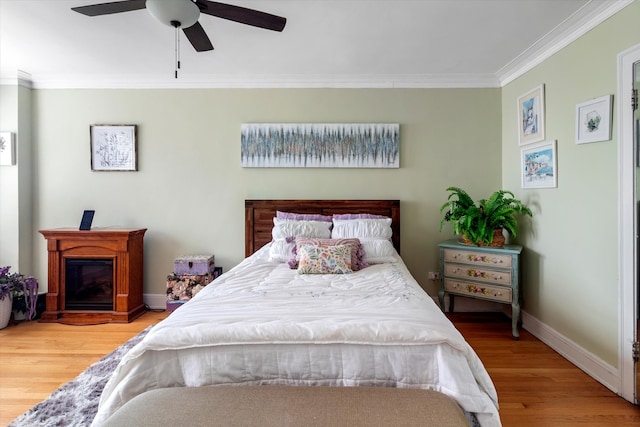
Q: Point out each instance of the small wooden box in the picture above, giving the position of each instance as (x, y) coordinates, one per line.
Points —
(194, 264)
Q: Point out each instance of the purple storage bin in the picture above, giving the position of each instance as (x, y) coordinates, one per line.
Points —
(194, 264)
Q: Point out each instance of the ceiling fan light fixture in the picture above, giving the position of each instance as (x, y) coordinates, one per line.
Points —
(185, 12)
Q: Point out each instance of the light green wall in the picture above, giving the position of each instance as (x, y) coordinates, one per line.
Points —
(571, 258)
(9, 245)
(26, 172)
(190, 189)
(16, 200)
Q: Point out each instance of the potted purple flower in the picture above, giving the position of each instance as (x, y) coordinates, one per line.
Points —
(18, 293)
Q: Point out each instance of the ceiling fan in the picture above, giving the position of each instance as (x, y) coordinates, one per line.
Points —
(185, 13)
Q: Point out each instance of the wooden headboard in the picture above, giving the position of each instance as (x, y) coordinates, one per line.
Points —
(259, 215)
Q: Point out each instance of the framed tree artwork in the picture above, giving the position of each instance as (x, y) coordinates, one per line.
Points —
(320, 145)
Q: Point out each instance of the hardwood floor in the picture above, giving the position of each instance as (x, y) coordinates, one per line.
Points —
(536, 386)
(36, 358)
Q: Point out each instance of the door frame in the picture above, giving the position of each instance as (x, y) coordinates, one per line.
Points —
(627, 226)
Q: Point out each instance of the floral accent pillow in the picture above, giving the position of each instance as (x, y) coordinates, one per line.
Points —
(322, 259)
(357, 251)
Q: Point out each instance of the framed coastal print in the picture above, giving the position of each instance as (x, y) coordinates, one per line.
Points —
(531, 116)
(113, 148)
(593, 120)
(539, 165)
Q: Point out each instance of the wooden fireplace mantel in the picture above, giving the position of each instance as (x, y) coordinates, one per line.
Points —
(124, 246)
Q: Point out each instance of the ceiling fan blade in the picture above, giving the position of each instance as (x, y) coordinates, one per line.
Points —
(242, 15)
(109, 8)
(198, 37)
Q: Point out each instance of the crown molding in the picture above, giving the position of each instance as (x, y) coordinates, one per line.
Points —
(582, 21)
(21, 78)
(265, 81)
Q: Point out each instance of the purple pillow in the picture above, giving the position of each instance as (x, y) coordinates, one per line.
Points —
(303, 217)
(358, 216)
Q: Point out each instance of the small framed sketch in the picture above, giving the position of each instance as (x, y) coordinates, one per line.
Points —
(539, 165)
(113, 148)
(531, 116)
(593, 120)
(7, 149)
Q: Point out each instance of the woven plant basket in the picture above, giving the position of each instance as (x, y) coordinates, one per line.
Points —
(498, 240)
(5, 311)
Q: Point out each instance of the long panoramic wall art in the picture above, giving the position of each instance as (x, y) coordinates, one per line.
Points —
(299, 145)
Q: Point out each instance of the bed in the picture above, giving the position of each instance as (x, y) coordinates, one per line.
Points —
(273, 321)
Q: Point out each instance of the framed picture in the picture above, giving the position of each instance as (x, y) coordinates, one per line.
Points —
(531, 116)
(113, 148)
(593, 120)
(320, 145)
(7, 149)
(539, 165)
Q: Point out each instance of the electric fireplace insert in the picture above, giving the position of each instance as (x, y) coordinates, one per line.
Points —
(88, 284)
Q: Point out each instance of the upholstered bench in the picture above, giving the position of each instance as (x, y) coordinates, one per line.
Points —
(271, 406)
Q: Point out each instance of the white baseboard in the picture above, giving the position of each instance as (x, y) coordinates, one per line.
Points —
(592, 365)
(155, 301)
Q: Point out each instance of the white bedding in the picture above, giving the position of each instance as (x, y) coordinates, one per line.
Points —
(263, 323)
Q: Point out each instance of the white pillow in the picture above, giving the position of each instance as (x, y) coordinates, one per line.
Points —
(289, 229)
(284, 228)
(281, 250)
(378, 251)
(379, 228)
(374, 234)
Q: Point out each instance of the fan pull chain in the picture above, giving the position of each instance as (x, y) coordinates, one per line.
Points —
(176, 25)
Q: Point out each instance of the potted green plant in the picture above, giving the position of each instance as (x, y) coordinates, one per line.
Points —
(21, 290)
(482, 223)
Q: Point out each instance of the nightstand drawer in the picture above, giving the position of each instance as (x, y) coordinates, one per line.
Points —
(493, 293)
(477, 273)
(477, 258)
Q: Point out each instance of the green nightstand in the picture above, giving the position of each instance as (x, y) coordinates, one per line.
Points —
(482, 272)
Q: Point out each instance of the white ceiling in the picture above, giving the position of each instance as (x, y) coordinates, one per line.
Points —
(326, 43)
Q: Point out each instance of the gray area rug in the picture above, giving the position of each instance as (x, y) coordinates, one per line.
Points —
(76, 402)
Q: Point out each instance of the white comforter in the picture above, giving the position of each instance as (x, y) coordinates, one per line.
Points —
(262, 323)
